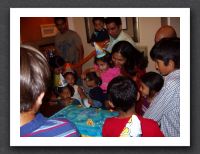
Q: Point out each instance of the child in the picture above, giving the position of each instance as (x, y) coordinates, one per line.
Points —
(100, 34)
(65, 94)
(95, 93)
(151, 84)
(70, 77)
(122, 94)
(103, 67)
(34, 77)
(165, 107)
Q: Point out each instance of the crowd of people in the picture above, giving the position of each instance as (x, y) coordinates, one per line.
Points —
(148, 103)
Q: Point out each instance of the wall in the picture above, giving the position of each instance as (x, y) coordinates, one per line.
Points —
(30, 28)
(79, 26)
(30, 32)
(148, 27)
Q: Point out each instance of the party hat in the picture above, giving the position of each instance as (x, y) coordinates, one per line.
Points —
(67, 68)
(99, 51)
(59, 80)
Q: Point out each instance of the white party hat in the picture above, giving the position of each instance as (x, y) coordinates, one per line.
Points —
(99, 51)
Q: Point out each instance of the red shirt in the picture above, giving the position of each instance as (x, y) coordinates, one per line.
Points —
(113, 127)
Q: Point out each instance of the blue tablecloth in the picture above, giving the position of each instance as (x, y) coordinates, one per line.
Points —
(89, 121)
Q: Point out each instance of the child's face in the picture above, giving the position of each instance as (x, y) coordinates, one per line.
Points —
(162, 68)
(118, 59)
(102, 65)
(65, 93)
(98, 25)
(70, 79)
(90, 83)
(144, 90)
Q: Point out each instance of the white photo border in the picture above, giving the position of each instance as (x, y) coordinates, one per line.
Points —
(16, 13)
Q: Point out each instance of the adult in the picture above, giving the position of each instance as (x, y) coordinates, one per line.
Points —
(131, 61)
(68, 43)
(34, 77)
(116, 34)
(165, 32)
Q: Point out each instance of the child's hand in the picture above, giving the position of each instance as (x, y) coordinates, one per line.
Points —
(67, 101)
(90, 102)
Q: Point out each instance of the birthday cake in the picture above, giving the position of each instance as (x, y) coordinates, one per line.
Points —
(89, 121)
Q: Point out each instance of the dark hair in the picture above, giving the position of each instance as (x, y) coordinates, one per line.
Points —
(154, 81)
(106, 58)
(116, 20)
(97, 18)
(167, 49)
(34, 76)
(71, 73)
(71, 89)
(93, 76)
(56, 61)
(122, 92)
(134, 58)
(59, 18)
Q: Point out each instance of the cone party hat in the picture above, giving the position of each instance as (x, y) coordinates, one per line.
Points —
(59, 81)
(99, 51)
(67, 68)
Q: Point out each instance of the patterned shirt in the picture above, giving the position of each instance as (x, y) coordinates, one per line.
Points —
(165, 107)
(43, 127)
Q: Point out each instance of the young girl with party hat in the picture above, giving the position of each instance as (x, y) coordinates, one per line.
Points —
(103, 67)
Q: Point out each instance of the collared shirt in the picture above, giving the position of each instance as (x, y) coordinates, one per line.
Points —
(165, 107)
(43, 127)
(122, 37)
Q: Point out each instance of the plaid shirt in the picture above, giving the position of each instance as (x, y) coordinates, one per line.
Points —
(165, 108)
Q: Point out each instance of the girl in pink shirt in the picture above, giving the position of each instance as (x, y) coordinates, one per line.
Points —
(105, 70)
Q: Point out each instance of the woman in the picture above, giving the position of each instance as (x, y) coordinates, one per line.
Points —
(131, 62)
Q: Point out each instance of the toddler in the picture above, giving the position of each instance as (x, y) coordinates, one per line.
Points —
(97, 97)
(104, 68)
(65, 95)
(70, 77)
(100, 34)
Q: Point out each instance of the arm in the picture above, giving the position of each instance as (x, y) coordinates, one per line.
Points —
(81, 93)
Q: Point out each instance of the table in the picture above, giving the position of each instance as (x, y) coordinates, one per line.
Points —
(89, 121)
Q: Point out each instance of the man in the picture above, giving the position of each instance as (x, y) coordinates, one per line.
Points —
(114, 28)
(165, 32)
(68, 43)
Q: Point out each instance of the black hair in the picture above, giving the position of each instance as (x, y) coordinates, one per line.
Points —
(134, 58)
(122, 92)
(93, 76)
(153, 81)
(98, 18)
(56, 61)
(167, 49)
(74, 74)
(60, 89)
(59, 18)
(116, 20)
(106, 58)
